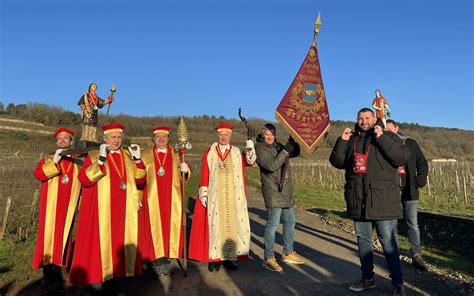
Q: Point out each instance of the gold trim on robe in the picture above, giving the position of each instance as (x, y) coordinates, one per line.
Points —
(49, 167)
(75, 190)
(50, 220)
(154, 205)
(50, 170)
(131, 214)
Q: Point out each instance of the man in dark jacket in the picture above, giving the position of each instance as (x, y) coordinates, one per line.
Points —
(370, 158)
(277, 190)
(414, 175)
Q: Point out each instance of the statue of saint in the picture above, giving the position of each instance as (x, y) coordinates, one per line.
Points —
(380, 104)
(90, 104)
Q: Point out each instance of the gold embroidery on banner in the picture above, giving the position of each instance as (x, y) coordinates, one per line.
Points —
(300, 106)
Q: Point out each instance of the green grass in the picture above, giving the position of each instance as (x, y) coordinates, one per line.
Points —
(15, 262)
(447, 205)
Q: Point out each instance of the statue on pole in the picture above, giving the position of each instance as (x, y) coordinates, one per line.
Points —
(380, 104)
(90, 103)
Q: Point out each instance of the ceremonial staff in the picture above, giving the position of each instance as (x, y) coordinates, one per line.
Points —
(112, 92)
(181, 146)
(250, 132)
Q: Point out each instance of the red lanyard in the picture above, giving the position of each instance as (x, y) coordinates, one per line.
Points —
(355, 147)
(222, 157)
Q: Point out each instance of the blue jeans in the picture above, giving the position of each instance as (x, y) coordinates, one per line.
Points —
(273, 219)
(410, 215)
(387, 233)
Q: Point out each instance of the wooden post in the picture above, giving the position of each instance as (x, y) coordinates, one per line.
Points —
(5, 218)
(457, 182)
(428, 183)
(321, 178)
(465, 190)
(33, 207)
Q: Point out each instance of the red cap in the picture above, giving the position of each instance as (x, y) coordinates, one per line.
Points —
(64, 130)
(162, 130)
(111, 128)
(224, 128)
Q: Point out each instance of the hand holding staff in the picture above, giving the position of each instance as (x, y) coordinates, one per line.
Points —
(111, 99)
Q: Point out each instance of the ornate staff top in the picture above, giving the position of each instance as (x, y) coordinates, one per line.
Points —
(183, 137)
(113, 89)
(317, 26)
(250, 131)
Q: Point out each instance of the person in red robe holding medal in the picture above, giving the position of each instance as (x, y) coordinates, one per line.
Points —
(160, 234)
(59, 195)
(221, 229)
(107, 230)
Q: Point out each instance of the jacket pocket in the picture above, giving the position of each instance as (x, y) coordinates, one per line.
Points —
(384, 196)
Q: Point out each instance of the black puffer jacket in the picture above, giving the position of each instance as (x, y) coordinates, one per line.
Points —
(271, 160)
(375, 195)
(416, 171)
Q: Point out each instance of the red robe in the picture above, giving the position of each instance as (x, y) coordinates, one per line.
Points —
(107, 230)
(57, 206)
(160, 226)
(380, 103)
(205, 234)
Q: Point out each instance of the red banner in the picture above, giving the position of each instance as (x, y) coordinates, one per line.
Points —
(303, 111)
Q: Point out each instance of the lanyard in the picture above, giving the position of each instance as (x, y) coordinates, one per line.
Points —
(116, 168)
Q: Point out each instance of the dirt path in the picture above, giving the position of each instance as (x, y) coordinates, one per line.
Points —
(332, 264)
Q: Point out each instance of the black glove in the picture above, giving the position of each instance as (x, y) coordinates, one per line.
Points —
(289, 147)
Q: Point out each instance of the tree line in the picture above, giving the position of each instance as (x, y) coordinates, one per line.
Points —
(436, 142)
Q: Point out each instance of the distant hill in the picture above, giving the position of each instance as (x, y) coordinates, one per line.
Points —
(436, 142)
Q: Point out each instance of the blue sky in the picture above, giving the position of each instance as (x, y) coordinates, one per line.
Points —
(212, 57)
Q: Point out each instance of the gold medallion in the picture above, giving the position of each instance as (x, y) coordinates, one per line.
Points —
(65, 179)
(161, 172)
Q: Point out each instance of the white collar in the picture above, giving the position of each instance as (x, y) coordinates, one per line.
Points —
(227, 146)
(115, 152)
(163, 150)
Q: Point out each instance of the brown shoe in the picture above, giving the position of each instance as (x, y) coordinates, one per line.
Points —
(272, 265)
(362, 285)
(418, 262)
(292, 258)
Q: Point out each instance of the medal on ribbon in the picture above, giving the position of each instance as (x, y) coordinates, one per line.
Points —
(65, 179)
(161, 171)
(123, 185)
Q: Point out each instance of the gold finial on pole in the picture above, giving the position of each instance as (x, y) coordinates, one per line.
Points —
(317, 25)
(113, 89)
(183, 137)
(182, 132)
